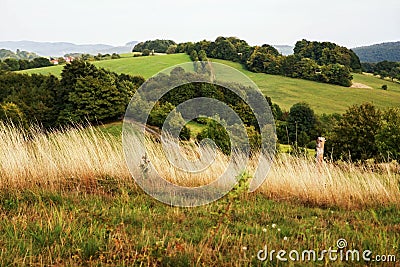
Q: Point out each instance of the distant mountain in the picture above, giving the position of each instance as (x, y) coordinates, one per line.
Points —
(284, 49)
(379, 52)
(58, 49)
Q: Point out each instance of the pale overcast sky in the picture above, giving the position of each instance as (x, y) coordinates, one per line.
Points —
(346, 22)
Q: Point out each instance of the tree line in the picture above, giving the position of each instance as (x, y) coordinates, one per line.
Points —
(84, 93)
(158, 46)
(13, 64)
(363, 132)
(384, 69)
(323, 62)
(5, 53)
(317, 61)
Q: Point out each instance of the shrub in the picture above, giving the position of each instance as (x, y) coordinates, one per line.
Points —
(354, 136)
(388, 138)
(146, 52)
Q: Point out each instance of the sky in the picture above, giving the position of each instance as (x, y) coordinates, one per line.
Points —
(350, 23)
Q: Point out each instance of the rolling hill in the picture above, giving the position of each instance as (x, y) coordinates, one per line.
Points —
(324, 98)
(379, 52)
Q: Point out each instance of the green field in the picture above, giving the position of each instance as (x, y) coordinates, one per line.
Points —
(144, 66)
(323, 98)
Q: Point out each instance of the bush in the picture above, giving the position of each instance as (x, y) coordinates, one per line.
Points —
(10, 112)
(115, 56)
(388, 138)
(312, 144)
(384, 87)
(216, 132)
(146, 52)
(354, 136)
(301, 123)
(171, 49)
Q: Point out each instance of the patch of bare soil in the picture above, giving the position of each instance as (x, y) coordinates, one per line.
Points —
(360, 85)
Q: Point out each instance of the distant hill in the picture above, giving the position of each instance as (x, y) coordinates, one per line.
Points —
(379, 52)
(284, 49)
(58, 49)
(4, 53)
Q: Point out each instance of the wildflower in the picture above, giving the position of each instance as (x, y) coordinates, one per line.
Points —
(273, 225)
(264, 230)
(285, 238)
(279, 229)
(244, 248)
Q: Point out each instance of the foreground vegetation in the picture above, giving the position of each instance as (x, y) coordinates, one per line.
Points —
(117, 224)
(68, 199)
(85, 156)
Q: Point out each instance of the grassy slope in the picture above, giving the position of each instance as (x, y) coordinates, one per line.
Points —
(145, 66)
(324, 98)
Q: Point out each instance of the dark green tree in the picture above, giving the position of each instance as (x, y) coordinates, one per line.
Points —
(194, 56)
(336, 74)
(387, 138)
(96, 98)
(301, 124)
(215, 130)
(260, 57)
(146, 52)
(12, 64)
(171, 49)
(40, 62)
(159, 46)
(10, 112)
(354, 136)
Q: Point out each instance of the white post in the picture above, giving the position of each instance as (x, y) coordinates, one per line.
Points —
(320, 150)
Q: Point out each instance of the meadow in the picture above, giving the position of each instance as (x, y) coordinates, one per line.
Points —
(67, 198)
(323, 98)
(144, 66)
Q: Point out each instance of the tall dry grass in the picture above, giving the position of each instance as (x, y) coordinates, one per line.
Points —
(80, 156)
(340, 184)
(32, 157)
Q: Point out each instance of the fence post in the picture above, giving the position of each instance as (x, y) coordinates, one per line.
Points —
(320, 150)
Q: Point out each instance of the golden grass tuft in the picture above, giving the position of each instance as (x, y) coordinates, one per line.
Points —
(32, 157)
(345, 184)
(77, 157)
